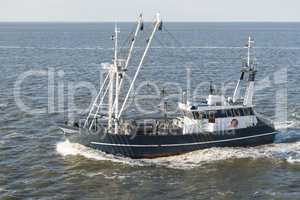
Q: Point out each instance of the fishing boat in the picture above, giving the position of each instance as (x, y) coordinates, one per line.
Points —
(218, 121)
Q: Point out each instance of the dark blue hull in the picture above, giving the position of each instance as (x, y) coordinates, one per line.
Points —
(128, 148)
(151, 146)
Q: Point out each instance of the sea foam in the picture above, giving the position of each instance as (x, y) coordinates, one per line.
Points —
(283, 151)
(67, 148)
(289, 152)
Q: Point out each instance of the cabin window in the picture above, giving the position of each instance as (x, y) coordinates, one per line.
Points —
(232, 113)
(190, 115)
(204, 115)
(229, 113)
(211, 117)
(196, 115)
(241, 111)
(219, 104)
(251, 111)
(200, 115)
(226, 113)
(246, 112)
(236, 112)
(221, 114)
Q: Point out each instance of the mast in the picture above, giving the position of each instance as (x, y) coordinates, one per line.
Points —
(110, 97)
(113, 74)
(116, 73)
(249, 48)
(248, 69)
(156, 26)
(248, 99)
(120, 70)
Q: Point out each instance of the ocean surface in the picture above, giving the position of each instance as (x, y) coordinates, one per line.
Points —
(50, 72)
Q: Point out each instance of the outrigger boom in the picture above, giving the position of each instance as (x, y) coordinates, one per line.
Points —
(156, 26)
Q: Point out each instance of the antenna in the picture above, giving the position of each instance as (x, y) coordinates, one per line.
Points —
(248, 98)
(116, 44)
(249, 46)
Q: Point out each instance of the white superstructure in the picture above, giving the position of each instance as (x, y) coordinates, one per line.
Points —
(221, 113)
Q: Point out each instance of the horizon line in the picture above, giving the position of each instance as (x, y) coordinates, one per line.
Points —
(167, 21)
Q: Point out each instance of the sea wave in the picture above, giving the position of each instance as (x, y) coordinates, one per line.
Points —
(293, 160)
(287, 124)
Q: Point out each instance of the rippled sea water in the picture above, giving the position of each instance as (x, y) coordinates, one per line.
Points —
(36, 162)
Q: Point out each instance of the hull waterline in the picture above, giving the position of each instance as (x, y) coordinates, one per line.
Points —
(152, 146)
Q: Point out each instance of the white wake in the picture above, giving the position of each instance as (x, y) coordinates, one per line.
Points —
(287, 152)
(67, 148)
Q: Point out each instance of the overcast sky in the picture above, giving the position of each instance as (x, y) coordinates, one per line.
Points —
(171, 10)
